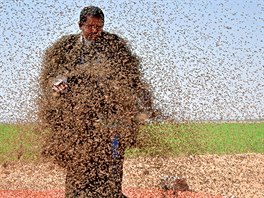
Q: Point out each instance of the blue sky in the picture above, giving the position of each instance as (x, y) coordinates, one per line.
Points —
(204, 59)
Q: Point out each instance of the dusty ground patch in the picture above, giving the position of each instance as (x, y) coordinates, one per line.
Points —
(239, 175)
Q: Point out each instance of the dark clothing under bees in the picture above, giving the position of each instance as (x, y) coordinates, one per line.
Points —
(92, 123)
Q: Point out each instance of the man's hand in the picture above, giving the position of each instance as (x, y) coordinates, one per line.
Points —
(61, 88)
(60, 85)
(142, 117)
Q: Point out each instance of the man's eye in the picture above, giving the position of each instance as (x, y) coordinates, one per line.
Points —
(94, 26)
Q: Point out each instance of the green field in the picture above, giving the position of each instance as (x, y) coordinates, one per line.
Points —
(201, 138)
(24, 142)
(19, 142)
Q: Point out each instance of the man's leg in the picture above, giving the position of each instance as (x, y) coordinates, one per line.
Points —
(118, 177)
(92, 181)
(118, 152)
(72, 189)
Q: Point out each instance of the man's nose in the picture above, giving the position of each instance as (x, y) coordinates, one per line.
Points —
(95, 29)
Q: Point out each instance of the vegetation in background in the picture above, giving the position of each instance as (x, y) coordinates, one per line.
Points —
(19, 142)
(23, 142)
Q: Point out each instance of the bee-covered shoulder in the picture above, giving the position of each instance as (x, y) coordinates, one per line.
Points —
(116, 41)
(64, 43)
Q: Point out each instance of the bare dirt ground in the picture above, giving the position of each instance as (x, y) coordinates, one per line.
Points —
(239, 175)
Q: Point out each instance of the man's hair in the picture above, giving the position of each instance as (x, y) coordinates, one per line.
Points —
(92, 11)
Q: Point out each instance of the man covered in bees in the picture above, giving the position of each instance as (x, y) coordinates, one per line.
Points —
(92, 96)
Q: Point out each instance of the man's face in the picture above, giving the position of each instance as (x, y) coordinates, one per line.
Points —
(92, 28)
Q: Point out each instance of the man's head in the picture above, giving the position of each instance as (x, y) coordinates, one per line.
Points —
(91, 22)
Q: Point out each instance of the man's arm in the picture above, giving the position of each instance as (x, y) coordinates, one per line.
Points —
(141, 89)
(52, 67)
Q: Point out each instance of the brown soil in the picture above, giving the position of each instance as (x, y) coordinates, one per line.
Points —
(231, 175)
